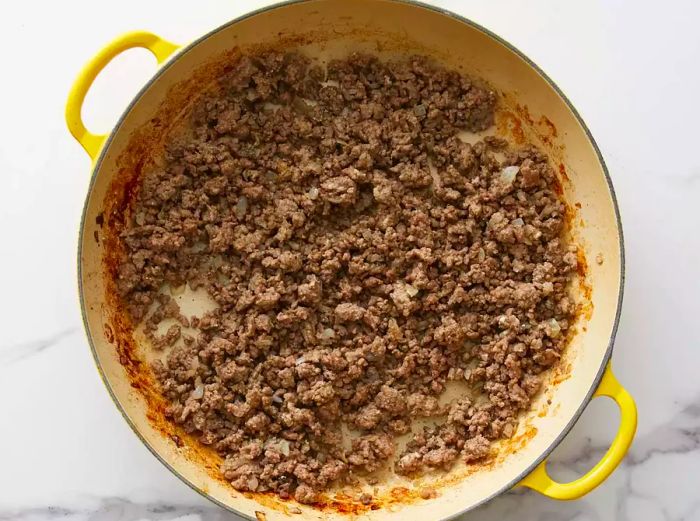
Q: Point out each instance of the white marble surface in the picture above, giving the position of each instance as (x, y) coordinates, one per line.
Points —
(632, 70)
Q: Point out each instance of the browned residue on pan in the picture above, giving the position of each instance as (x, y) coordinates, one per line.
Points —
(524, 113)
(545, 122)
(519, 125)
(508, 124)
(562, 173)
(585, 289)
(146, 143)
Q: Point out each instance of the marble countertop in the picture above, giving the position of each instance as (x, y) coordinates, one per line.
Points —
(631, 70)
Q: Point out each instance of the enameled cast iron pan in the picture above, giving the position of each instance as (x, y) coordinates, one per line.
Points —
(532, 108)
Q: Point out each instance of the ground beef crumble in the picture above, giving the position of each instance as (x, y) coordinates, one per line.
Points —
(361, 256)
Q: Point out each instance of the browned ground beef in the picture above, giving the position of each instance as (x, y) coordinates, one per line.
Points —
(361, 256)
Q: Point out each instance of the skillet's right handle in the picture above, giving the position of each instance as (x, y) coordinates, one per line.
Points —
(540, 481)
(92, 143)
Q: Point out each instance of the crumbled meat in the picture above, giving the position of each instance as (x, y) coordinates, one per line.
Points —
(339, 190)
(391, 400)
(369, 417)
(476, 448)
(370, 452)
(360, 256)
(348, 312)
(310, 291)
(305, 494)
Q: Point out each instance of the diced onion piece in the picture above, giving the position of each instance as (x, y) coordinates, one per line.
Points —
(508, 174)
(328, 333)
(253, 483)
(313, 166)
(283, 447)
(198, 391)
(518, 222)
(394, 330)
(553, 328)
(237, 462)
(508, 430)
(280, 445)
(312, 193)
(411, 290)
(241, 207)
(300, 360)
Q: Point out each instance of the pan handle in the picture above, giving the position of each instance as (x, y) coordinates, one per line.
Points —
(540, 481)
(92, 143)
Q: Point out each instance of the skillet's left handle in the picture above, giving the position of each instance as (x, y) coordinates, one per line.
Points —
(92, 143)
(540, 481)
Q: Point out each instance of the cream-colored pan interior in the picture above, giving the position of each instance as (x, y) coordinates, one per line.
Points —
(335, 27)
